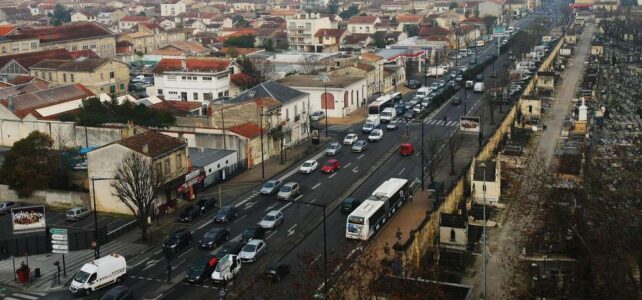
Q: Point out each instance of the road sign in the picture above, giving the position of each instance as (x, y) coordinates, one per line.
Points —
(58, 231)
(60, 247)
(59, 237)
(60, 251)
(54, 242)
(59, 240)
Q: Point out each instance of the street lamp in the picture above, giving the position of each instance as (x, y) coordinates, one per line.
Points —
(262, 151)
(93, 188)
(325, 78)
(483, 166)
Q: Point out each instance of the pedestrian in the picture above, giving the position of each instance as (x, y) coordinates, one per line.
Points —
(445, 120)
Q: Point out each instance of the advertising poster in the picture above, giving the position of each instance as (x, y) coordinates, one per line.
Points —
(28, 219)
(469, 124)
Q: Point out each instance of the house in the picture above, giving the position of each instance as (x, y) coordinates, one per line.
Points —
(7, 29)
(45, 104)
(83, 16)
(339, 96)
(173, 8)
(395, 5)
(302, 29)
(447, 19)
(357, 42)
(360, 69)
(330, 39)
(489, 8)
(545, 81)
(314, 5)
(375, 81)
(453, 231)
(208, 167)
(407, 19)
(99, 75)
(530, 108)
(19, 64)
(73, 36)
(168, 156)
(10, 45)
(182, 49)
(200, 79)
(150, 36)
(597, 49)
(129, 22)
(485, 181)
(362, 24)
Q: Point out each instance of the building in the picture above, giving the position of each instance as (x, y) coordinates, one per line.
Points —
(314, 5)
(210, 166)
(129, 22)
(545, 81)
(489, 8)
(330, 39)
(302, 30)
(42, 104)
(167, 154)
(73, 37)
(150, 36)
(339, 96)
(530, 108)
(485, 173)
(362, 24)
(453, 232)
(172, 8)
(24, 44)
(19, 64)
(200, 79)
(99, 75)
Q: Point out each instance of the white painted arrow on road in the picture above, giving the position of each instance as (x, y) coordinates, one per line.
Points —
(291, 230)
(355, 170)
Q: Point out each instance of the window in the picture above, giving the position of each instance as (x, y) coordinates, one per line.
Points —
(64, 77)
(49, 76)
(160, 92)
(16, 49)
(37, 74)
(122, 86)
(367, 29)
(296, 111)
(220, 94)
(4, 50)
(179, 161)
(112, 75)
(74, 48)
(195, 96)
(287, 114)
(207, 78)
(171, 78)
(102, 76)
(85, 47)
(166, 168)
(452, 234)
(92, 46)
(207, 96)
(34, 45)
(72, 77)
(173, 92)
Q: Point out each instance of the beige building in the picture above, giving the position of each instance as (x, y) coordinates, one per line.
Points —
(488, 174)
(99, 75)
(150, 37)
(20, 45)
(167, 154)
(73, 37)
(302, 32)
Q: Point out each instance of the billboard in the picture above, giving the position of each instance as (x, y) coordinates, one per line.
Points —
(469, 124)
(28, 219)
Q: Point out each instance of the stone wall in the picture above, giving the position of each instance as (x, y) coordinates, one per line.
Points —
(52, 198)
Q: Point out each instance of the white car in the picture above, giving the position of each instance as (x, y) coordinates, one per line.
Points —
(272, 219)
(417, 108)
(350, 139)
(309, 166)
(253, 250)
(375, 135)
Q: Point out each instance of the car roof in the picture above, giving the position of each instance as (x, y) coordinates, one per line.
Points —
(310, 161)
(334, 144)
(291, 183)
(254, 242)
(273, 213)
(216, 229)
(332, 160)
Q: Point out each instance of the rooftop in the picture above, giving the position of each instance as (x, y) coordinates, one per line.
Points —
(315, 81)
(362, 20)
(70, 31)
(25, 104)
(490, 171)
(453, 220)
(248, 130)
(193, 64)
(152, 144)
(26, 60)
(270, 89)
(202, 157)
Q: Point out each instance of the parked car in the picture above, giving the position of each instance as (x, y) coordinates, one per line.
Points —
(289, 191)
(409, 114)
(375, 135)
(333, 148)
(459, 78)
(225, 214)
(5, 207)
(330, 166)
(350, 139)
(276, 271)
(413, 84)
(214, 237)
(253, 250)
(455, 101)
(230, 247)
(349, 204)
(272, 219)
(309, 166)
(252, 232)
(270, 187)
(394, 124)
(190, 213)
(77, 213)
(206, 204)
(178, 240)
(119, 292)
(317, 115)
(201, 269)
(359, 146)
(463, 68)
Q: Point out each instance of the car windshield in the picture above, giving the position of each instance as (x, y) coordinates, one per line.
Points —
(359, 143)
(199, 264)
(81, 276)
(333, 146)
(316, 113)
(269, 218)
(286, 189)
(307, 164)
(350, 136)
(211, 234)
(249, 232)
(328, 163)
(249, 248)
(268, 185)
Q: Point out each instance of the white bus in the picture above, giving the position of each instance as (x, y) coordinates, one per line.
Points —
(373, 213)
(377, 106)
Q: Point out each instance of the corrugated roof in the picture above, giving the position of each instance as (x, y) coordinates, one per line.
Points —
(16, 90)
(70, 31)
(270, 89)
(27, 103)
(28, 59)
(202, 157)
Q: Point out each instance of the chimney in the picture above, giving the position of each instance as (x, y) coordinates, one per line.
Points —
(146, 148)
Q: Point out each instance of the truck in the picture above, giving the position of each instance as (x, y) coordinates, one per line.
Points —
(99, 273)
(388, 114)
(566, 52)
(479, 87)
(227, 268)
(372, 122)
(436, 71)
(423, 92)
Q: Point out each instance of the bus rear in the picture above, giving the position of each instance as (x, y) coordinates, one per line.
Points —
(364, 220)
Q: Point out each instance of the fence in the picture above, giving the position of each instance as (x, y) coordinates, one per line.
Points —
(39, 243)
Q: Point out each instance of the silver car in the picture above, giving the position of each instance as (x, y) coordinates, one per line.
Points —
(333, 148)
(77, 213)
(359, 146)
(270, 187)
(289, 191)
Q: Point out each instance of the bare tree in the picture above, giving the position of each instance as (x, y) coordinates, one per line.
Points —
(309, 65)
(137, 184)
(454, 143)
(433, 155)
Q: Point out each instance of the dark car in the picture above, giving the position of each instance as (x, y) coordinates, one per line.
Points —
(178, 240)
(479, 77)
(206, 204)
(456, 101)
(252, 232)
(409, 114)
(190, 213)
(413, 84)
(118, 293)
(276, 271)
(349, 204)
(230, 247)
(201, 269)
(5, 207)
(225, 214)
(214, 237)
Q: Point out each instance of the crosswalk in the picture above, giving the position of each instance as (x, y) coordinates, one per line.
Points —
(442, 123)
(74, 261)
(22, 295)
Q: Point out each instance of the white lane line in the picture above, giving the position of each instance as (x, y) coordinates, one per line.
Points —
(271, 234)
(347, 165)
(10, 298)
(417, 153)
(271, 207)
(355, 170)
(205, 224)
(246, 199)
(239, 219)
(315, 259)
(140, 263)
(360, 156)
(401, 171)
(291, 230)
(174, 267)
(24, 296)
(313, 200)
(188, 251)
(39, 293)
(158, 252)
(316, 186)
(285, 206)
(333, 174)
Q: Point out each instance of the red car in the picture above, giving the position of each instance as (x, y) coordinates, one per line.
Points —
(330, 166)
(407, 149)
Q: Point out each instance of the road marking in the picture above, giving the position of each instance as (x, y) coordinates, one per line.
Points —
(401, 171)
(188, 251)
(150, 264)
(313, 200)
(285, 206)
(174, 267)
(24, 296)
(333, 174)
(316, 186)
(315, 259)
(158, 252)
(271, 234)
(360, 156)
(249, 205)
(239, 219)
(205, 224)
(291, 230)
(248, 198)
(355, 170)
(271, 207)
(347, 165)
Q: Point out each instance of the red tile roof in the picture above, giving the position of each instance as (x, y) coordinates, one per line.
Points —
(26, 104)
(337, 33)
(193, 64)
(425, 31)
(241, 51)
(408, 18)
(84, 53)
(70, 31)
(153, 144)
(134, 19)
(28, 59)
(241, 79)
(248, 130)
(6, 29)
(362, 20)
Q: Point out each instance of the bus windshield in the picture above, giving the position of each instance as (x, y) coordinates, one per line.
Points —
(373, 110)
(355, 220)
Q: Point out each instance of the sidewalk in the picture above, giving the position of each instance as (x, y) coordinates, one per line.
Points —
(357, 116)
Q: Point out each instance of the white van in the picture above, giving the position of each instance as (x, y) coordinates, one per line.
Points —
(479, 87)
(423, 92)
(372, 122)
(99, 273)
(227, 268)
(387, 114)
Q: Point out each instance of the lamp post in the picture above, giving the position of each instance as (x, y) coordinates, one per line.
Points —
(93, 189)
(262, 152)
(483, 166)
(324, 77)
(465, 96)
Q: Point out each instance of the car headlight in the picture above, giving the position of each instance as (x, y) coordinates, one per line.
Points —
(212, 242)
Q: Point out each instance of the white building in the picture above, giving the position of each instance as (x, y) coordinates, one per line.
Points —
(489, 8)
(192, 79)
(485, 173)
(302, 30)
(363, 24)
(341, 94)
(453, 232)
(172, 8)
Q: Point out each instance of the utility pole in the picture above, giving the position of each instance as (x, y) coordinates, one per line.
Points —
(325, 78)
(483, 166)
(93, 190)
(262, 151)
